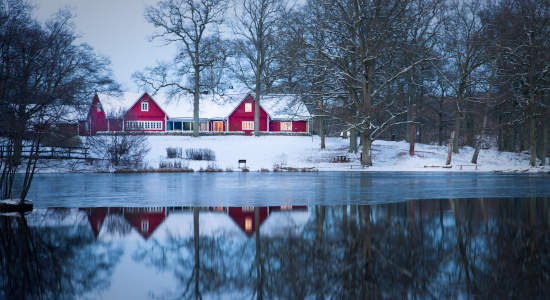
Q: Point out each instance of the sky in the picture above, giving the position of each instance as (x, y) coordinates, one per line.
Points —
(117, 29)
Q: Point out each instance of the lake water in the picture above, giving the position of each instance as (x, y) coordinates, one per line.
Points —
(281, 236)
(265, 189)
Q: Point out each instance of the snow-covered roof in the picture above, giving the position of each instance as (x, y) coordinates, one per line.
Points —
(210, 106)
(214, 224)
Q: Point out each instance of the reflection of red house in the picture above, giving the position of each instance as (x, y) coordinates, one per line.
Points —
(245, 219)
(144, 219)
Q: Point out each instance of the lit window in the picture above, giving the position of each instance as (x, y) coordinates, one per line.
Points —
(286, 125)
(203, 126)
(248, 107)
(144, 106)
(144, 225)
(286, 207)
(248, 208)
(248, 224)
(247, 125)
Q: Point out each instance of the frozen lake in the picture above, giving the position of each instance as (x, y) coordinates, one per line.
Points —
(276, 188)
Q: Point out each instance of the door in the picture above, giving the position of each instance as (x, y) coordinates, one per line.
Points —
(218, 126)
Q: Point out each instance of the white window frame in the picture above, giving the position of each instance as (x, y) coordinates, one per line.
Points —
(289, 129)
(248, 125)
(144, 125)
(144, 106)
(248, 107)
(144, 225)
(98, 107)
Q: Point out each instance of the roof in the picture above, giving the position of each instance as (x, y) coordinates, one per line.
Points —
(284, 107)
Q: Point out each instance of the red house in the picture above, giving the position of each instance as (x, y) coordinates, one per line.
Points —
(228, 113)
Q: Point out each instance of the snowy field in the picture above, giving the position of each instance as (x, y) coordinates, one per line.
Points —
(304, 152)
(266, 152)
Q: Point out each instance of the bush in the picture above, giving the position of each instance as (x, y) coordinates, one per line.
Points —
(174, 152)
(200, 154)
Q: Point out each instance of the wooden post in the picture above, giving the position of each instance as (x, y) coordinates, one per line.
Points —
(450, 152)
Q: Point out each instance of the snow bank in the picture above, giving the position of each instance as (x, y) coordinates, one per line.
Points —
(265, 152)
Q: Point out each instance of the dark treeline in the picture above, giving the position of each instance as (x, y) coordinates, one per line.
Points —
(416, 69)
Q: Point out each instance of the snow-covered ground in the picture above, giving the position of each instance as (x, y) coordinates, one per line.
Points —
(304, 152)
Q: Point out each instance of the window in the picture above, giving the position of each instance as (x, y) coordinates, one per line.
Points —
(248, 107)
(248, 224)
(144, 225)
(144, 125)
(203, 126)
(144, 106)
(218, 126)
(286, 126)
(98, 107)
(247, 125)
(286, 207)
(248, 208)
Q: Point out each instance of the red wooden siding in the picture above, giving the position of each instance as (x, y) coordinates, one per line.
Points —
(96, 119)
(137, 215)
(297, 126)
(241, 214)
(154, 113)
(239, 115)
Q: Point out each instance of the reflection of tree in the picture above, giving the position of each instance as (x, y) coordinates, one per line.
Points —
(479, 248)
(51, 262)
(197, 262)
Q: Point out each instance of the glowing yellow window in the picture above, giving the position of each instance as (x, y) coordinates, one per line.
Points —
(286, 125)
(248, 107)
(248, 224)
(286, 207)
(248, 125)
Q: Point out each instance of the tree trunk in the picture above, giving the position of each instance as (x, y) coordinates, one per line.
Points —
(532, 129)
(412, 131)
(408, 127)
(456, 130)
(481, 134)
(545, 140)
(196, 124)
(450, 153)
(353, 141)
(366, 159)
(257, 108)
(321, 125)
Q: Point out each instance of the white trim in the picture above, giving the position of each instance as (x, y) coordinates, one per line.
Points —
(248, 107)
(144, 125)
(249, 123)
(281, 125)
(144, 106)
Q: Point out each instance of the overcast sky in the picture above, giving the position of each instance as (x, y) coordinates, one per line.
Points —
(117, 29)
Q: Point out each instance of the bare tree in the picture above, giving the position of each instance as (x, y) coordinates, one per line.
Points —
(197, 67)
(257, 27)
(43, 73)
(465, 44)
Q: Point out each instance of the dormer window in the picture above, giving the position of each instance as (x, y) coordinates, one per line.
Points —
(248, 107)
(144, 106)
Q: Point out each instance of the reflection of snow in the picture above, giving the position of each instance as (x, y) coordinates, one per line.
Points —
(285, 223)
(212, 224)
(57, 217)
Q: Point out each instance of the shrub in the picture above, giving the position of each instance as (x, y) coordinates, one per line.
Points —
(174, 152)
(200, 154)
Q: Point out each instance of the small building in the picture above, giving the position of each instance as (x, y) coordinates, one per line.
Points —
(227, 113)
